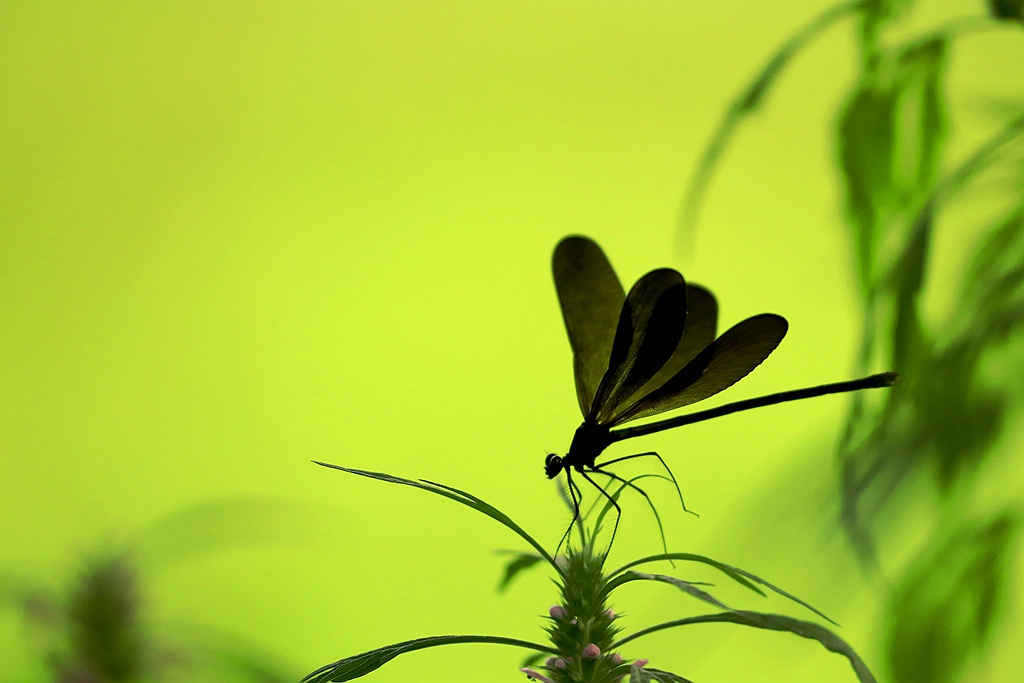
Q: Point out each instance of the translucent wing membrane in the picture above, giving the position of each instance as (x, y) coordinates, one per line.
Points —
(649, 329)
(591, 298)
(699, 331)
(721, 364)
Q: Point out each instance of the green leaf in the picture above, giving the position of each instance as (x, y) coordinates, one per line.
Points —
(770, 622)
(519, 563)
(739, 575)
(686, 586)
(359, 665)
(948, 604)
(458, 496)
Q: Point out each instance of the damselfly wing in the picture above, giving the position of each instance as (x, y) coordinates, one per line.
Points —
(652, 351)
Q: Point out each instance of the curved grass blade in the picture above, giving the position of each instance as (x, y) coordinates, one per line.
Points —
(687, 587)
(741, 576)
(650, 327)
(359, 665)
(745, 104)
(726, 361)
(770, 622)
(591, 298)
(514, 567)
(458, 496)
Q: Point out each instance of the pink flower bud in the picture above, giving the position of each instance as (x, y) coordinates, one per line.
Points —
(609, 613)
(550, 663)
(534, 676)
(616, 658)
(560, 663)
(591, 651)
(573, 622)
(557, 612)
(640, 663)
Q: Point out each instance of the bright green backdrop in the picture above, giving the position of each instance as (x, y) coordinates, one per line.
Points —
(238, 236)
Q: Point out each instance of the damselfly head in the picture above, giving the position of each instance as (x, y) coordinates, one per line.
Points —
(553, 464)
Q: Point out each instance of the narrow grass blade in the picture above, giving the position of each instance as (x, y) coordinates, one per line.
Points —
(359, 665)
(739, 575)
(458, 496)
(771, 622)
(687, 587)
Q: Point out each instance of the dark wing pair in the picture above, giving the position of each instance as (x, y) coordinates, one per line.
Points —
(654, 350)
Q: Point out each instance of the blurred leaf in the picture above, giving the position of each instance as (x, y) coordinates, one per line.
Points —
(1012, 10)
(362, 664)
(103, 613)
(521, 562)
(685, 586)
(890, 138)
(458, 496)
(535, 658)
(217, 525)
(948, 604)
(771, 622)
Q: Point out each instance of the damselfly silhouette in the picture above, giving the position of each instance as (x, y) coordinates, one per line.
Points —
(650, 352)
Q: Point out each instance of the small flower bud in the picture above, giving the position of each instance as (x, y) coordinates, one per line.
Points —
(573, 622)
(609, 613)
(616, 658)
(550, 662)
(640, 663)
(557, 612)
(560, 663)
(591, 651)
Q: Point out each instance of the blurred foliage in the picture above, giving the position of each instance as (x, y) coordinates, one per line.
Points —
(97, 628)
(943, 420)
(947, 604)
(945, 416)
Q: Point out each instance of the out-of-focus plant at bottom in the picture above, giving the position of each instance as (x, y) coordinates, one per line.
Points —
(98, 628)
(582, 631)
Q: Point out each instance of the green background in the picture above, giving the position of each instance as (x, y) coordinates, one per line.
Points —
(235, 237)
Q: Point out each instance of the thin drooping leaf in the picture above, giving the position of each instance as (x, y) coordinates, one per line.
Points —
(687, 587)
(726, 361)
(458, 496)
(514, 567)
(591, 298)
(770, 622)
(746, 103)
(648, 332)
(359, 665)
(741, 576)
